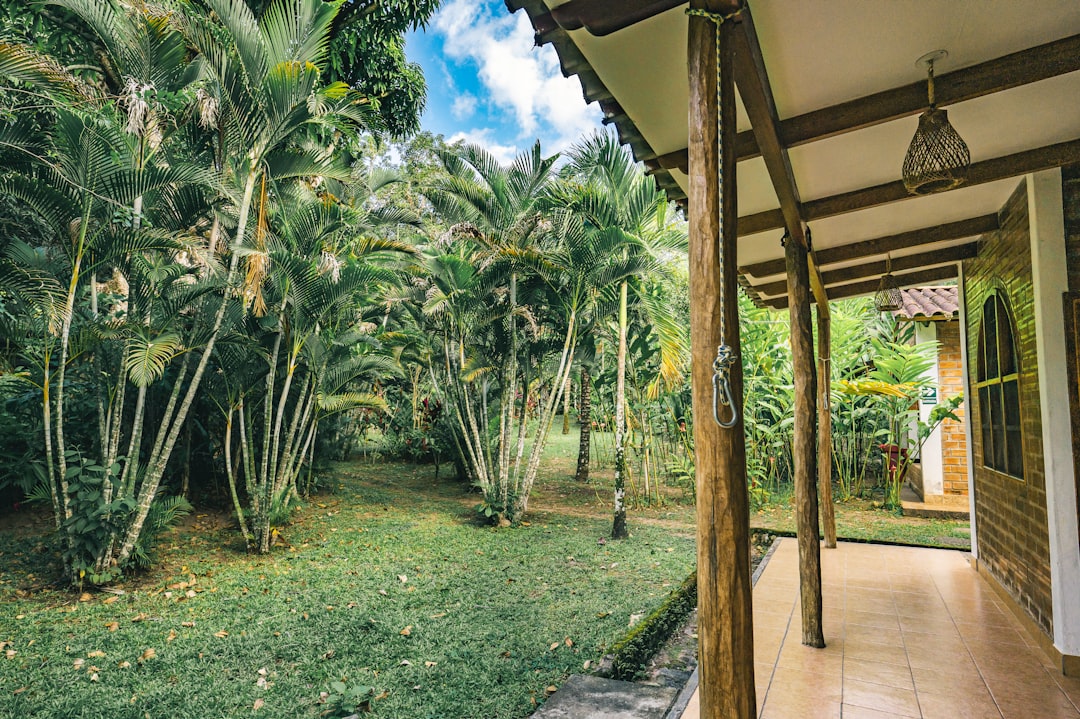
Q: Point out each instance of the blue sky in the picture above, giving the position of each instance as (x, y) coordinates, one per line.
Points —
(488, 84)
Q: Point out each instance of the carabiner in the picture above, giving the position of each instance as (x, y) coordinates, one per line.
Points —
(722, 395)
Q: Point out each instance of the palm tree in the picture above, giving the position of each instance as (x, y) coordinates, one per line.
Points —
(116, 197)
(499, 209)
(301, 294)
(613, 194)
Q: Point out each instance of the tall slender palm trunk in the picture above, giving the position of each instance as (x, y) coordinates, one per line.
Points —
(618, 527)
(585, 420)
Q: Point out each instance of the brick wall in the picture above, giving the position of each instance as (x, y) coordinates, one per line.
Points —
(1070, 191)
(1070, 195)
(1014, 540)
(951, 383)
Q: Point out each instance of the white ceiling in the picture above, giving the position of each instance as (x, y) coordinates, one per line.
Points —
(822, 52)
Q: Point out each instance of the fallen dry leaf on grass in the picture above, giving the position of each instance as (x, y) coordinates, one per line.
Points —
(187, 624)
(148, 654)
(95, 654)
(112, 626)
(222, 634)
(259, 703)
(172, 635)
(406, 631)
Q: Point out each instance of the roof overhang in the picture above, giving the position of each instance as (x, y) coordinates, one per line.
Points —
(829, 94)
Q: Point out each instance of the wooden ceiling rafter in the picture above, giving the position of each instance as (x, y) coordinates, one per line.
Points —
(755, 90)
(1024, 67)
(997, 168)
(845, 275)
(910, 279)
(958, 230)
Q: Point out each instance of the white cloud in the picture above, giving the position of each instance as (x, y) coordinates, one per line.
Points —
(520, 78)
(464, 106)
(484, 137)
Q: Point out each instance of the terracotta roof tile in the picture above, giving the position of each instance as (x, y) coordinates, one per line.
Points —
(928, 303)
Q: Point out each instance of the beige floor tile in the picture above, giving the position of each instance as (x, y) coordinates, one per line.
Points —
(962, 703)
(893, 675)
(823, 685)
(881, 697)
(987, 634)
(877, 635)
(866, 651)
(1042, 709)
(936, 652)
(928, 623)
(794, 655)
(946, 678)
(786, 706)
(873, 619)
(850, 711)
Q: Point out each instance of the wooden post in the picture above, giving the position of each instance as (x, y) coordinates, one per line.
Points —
(804, 451)
(725, 624)
(828, 513)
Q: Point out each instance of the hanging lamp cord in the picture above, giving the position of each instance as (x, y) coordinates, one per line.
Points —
(723, 397)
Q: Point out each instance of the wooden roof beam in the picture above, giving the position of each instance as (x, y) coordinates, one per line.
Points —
(1019, 68)
(998, 168)
(882, 245)
(756, 93)
(867, 287)
(874, 269)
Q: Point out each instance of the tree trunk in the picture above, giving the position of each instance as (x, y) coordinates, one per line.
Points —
(618, 527)
(585, 420)
(804, 451)
(828, 513)
(726, 632)
(566, 407)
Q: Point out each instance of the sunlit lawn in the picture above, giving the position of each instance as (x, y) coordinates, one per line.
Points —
(385, 581)
(379, 585)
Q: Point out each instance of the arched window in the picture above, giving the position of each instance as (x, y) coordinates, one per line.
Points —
(998, 385)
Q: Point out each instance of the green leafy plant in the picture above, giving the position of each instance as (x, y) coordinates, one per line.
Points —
(895, 382)
(345, 699)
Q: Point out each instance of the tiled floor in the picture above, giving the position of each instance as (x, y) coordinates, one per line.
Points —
(909, 633)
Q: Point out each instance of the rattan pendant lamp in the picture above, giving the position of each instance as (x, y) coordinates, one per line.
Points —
(937, 158)
(888, 297)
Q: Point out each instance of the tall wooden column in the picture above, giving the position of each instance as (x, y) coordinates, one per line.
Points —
(725, 626)
(824, 383)
(805, 446)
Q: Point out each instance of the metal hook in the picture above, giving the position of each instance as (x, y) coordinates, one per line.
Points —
(722, 395)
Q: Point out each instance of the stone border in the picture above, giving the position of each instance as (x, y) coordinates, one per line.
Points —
(683, 699)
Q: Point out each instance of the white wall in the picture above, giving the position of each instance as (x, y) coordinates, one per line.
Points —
(933, 480)
(1051, 281)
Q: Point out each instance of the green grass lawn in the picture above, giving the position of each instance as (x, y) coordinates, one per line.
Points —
(859, 519)
(387, 583)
